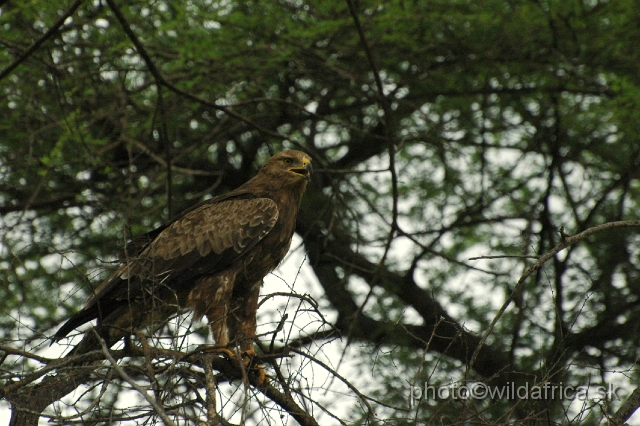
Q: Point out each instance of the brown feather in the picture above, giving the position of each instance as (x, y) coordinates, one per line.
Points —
(211, 258)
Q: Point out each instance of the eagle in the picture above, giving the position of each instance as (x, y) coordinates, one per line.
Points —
(210, 259)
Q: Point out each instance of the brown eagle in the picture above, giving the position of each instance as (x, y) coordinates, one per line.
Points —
(211, 259)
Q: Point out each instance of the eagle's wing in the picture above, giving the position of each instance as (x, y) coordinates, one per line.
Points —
(137, 245)
(204, 240)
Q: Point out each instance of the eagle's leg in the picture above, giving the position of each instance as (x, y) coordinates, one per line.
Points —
(212, 297)
(218, 318)
(242, 327)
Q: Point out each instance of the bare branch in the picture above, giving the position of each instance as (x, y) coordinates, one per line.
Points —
(564, 243)
(13, 351)
(161, 161)
(626, 410)
(212, 415)
(158, 409)
(334, 373)
(505, 256)
(160, 79)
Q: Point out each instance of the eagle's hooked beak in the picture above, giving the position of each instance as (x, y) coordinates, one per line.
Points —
(306, 169)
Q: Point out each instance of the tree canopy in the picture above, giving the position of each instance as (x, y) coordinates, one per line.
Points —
(472, 220)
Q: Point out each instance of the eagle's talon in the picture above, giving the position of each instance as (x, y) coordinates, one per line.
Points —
(248, 356)
(261, 376)
(256, 369)
(220, 350)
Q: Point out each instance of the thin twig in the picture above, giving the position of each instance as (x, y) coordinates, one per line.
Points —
(566, 242)
(349, 171)
(105, 350)
(506, 256)
(355, 390)
(305, 297)
(387, 117)
(161, 161)
(159, 81)
(44, 37)
(148, 363)
(157, 74)
(288, 404)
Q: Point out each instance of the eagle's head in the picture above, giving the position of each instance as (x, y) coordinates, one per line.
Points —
(290, 167)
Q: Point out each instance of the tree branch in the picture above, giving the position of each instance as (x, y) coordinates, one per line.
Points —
(29, 400)
(626, 410)
(565, 242)
(159, 77)
(143, 392)
(44, 37)
(449, 338)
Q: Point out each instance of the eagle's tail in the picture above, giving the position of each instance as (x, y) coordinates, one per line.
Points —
(81, 317)
(92, 341)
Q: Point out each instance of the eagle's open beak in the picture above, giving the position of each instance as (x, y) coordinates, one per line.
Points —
(304, 171)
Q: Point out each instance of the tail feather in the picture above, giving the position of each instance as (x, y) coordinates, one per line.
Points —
(80, 318)
(91, 341)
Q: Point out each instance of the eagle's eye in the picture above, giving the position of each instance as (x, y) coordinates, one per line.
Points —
(287, 161)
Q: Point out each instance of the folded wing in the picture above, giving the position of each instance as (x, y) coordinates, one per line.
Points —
(204, 241)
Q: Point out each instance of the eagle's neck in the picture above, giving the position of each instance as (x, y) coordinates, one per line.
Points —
(284, 195)
(287, 198)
